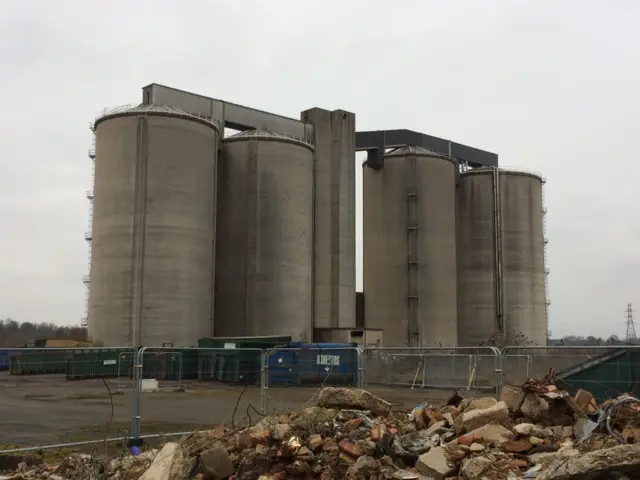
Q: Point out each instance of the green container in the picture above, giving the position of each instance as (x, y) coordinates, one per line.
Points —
(88, 363)
(605, 376)
(231, 362)
(227, 343)
(39, 362)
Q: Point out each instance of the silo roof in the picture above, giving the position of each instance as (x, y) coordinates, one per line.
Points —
(152, 109)
(269, 135)
(409, 150)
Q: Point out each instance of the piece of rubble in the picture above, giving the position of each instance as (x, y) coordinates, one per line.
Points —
(521, 445)
(216, 463)
(534, 407)
(531, 429)
(313, 419)
(476, 448)
(333, 397)
(583, 428)
(478, 418)
(474, 467)
(435, 464)
(512, 396)
(281, 431)
(363, 468)
(353, 449)
(492, 433)
(583, 399)
(168, 464)
(481, 403)
(315, 442)
(622, 457)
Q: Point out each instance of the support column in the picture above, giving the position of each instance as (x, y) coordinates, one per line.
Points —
(334, 265)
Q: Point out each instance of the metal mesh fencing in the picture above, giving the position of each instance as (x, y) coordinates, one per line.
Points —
(605, 371)
(405, 374)
(60, 395)
(186, 389)
(293, 376)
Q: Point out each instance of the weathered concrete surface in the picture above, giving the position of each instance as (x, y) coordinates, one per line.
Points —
(331, 397)
(434, 464)
(621, 458)
(334, 269)
(492, 433)
(168, 464)
(472, 468)
(478, 418)
(390, 241)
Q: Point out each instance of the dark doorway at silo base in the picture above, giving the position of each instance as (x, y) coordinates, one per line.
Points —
(360, 310)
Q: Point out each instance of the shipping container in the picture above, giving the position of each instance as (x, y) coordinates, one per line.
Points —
(244, 342)
(314, 364)
(5, 358)
(605, 376)
(86, 364)
(236, 359)
(39, 362)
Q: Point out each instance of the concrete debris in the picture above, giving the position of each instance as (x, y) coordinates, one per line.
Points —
(331, 397)
(535, 431)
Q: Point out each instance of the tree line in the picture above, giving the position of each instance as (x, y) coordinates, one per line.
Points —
(17, 334)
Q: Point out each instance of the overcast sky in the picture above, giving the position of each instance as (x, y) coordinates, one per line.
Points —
(548, 85)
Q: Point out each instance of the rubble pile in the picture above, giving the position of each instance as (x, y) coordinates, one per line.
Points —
(534, 431)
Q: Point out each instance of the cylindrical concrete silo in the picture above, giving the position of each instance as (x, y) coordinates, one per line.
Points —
(409, 236)
(153, 227)
(264, 249)
(501, 288)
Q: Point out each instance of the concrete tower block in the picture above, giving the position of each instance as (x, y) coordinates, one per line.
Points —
(334, 217)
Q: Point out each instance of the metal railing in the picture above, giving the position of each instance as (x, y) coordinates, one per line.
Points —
(74, 396)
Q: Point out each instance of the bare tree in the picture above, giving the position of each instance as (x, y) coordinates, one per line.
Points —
(15, 334)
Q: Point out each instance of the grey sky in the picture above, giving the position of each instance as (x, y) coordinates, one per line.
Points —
(552, 86)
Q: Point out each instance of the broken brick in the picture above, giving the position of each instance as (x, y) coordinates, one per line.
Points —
(353, 449)
(351, 425)
(517, 446)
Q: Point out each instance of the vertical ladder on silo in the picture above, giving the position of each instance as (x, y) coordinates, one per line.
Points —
(545, 240)
(412, 267)
(88, 236)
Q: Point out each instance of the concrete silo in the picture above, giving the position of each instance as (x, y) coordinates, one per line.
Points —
(501, 272)
(409, 235)
(153, 227)
(264, 250)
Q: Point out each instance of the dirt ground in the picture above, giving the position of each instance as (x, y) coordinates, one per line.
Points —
(43, 410)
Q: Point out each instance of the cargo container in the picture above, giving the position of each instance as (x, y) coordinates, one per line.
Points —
(244, 342)
(86, 364)
(314, 363)
(236, 359)
(5, 358)
(39, 362)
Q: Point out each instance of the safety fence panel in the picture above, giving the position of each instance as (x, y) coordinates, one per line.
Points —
(605, 371)
(404, 374)
(186, 389)
(59, 395)
(294, 376)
